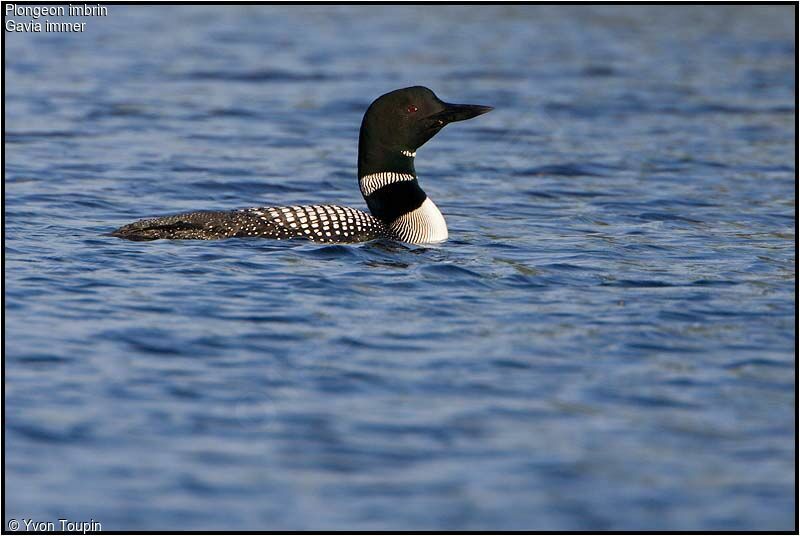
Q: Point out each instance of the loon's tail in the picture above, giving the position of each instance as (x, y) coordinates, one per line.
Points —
(190, 226)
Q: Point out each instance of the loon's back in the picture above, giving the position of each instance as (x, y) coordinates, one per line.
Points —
(319, 223)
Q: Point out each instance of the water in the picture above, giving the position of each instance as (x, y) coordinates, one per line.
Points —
(605, 342)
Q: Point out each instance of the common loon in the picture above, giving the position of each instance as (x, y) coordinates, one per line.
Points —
(394, 127)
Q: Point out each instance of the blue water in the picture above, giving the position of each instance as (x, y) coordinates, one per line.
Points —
(605, 342)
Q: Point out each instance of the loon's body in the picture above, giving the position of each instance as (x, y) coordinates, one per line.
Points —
(394, 127)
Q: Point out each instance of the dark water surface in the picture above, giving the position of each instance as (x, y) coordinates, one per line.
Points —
(605, 342)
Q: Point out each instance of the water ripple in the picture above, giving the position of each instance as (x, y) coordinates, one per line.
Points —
(606, 341)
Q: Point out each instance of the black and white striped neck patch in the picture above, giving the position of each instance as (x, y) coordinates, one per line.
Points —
(369, 184)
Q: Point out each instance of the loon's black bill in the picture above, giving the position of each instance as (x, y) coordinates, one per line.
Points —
(460, 112)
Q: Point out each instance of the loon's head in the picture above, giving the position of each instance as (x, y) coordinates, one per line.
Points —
(398, 123)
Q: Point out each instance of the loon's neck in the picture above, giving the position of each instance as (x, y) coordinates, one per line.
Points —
(394, 196)
(374, 157)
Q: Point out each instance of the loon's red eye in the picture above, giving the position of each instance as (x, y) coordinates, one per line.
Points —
(411, 109)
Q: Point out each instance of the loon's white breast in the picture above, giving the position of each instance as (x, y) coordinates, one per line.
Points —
(424, 225)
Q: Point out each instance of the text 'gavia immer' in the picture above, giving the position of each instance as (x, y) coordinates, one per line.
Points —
(394, 127)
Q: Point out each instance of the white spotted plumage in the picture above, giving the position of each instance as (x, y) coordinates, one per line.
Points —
(320, 223)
